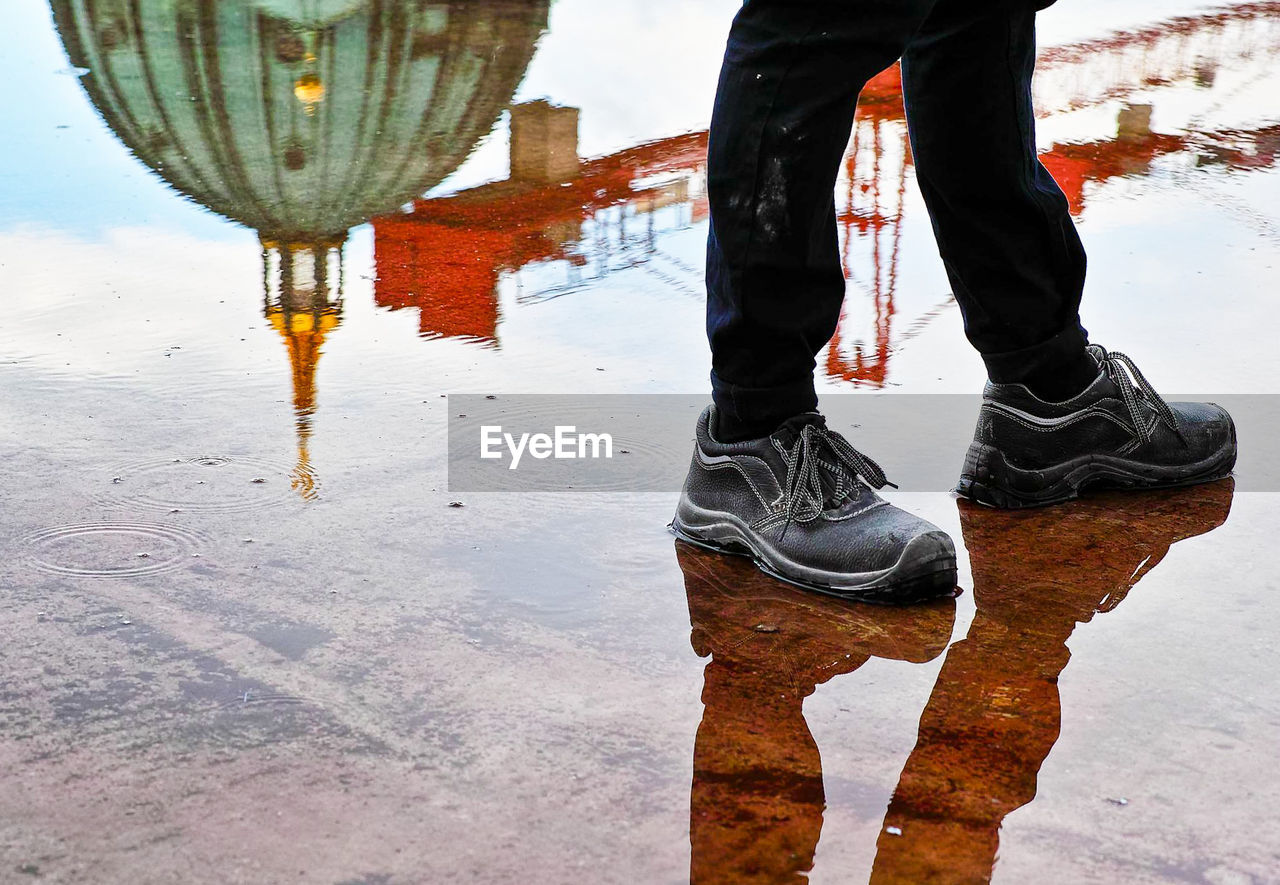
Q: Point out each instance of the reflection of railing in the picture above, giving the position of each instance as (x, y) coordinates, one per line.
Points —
(1190, 48)
(597, 217)
(875, 170)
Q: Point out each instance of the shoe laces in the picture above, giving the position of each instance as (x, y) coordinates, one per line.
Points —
(1134, 387)
(815, 450)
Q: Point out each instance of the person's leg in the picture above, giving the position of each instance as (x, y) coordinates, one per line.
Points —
(767, 475)
(782, 119)
(1017, 269)
(1015, 262)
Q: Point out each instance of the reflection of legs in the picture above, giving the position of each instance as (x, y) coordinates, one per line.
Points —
(757, 798)
(1002, 224)
(992, 719)
(782, 118)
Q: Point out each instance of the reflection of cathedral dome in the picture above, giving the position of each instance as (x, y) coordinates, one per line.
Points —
(301, 118)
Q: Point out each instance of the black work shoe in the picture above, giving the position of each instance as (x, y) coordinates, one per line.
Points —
(800, 503)
(1118, 433)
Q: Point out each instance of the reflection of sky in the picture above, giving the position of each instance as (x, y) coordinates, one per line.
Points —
(1070, 21)
(78, 178)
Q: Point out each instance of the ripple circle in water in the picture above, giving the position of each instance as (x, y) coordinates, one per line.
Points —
(206, 484)
(111, 549)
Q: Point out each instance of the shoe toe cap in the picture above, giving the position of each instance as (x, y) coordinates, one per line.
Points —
(900, 540)
(1206, 427)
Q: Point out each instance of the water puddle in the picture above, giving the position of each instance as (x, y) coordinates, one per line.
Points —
(247, 244)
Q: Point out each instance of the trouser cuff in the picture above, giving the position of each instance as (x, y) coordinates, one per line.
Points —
(1015, 366)
(764, 407)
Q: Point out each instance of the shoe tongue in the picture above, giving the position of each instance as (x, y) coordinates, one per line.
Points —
(790, 430)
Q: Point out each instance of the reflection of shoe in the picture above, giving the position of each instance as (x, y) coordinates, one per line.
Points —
(741, 617)
(1043, 566)
(994, 714)
(800, 503)
(1117, 433)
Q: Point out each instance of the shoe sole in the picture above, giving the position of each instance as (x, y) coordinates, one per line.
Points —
(988, 478)
(918, 575)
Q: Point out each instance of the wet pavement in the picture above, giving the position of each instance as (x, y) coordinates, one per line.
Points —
(248, 248)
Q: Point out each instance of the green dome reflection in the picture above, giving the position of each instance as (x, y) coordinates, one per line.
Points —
(300, 118)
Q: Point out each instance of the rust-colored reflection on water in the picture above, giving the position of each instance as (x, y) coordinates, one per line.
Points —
(445, 257)
(994, 714)
(993, 717)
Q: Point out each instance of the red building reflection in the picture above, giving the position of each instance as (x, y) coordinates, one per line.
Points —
(445, 257)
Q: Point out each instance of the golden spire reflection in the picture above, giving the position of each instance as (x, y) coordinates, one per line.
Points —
(303, 284)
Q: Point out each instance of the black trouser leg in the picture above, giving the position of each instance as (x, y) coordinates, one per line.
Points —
(1002, 225)
(782, 118)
